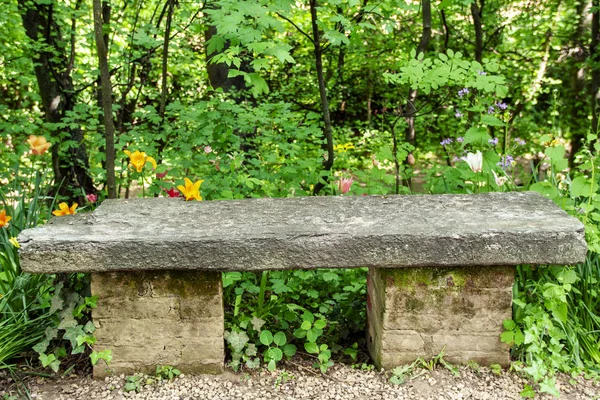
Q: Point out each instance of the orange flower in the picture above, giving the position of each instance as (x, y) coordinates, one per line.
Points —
(4, 218)
(138, 159)
(65, 210)
(38, 144)
(191, 190)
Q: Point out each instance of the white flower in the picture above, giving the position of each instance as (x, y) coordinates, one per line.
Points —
(500, 180)
(475, 161)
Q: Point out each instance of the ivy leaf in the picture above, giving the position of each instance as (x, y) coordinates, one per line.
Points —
(527, 392)
(56, 303)
(548, 385)
(257, 323)
(105, 355)
(237, 340)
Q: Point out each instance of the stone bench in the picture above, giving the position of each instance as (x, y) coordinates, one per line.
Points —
(441, 268)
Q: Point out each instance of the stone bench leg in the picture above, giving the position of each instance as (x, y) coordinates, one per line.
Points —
(415, 312)
(151, 318)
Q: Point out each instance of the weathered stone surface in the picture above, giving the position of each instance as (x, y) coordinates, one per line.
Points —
(308, 232)
(152, 318)
(417, 312)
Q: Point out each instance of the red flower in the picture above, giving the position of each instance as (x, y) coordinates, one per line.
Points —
(173, 192)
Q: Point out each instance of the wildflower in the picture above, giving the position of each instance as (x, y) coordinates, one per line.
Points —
(520, 141)
(138, 159)
(475, 161)
(501, 105)
(38, 144)
(342, 148)
(65, 210)
(500, 180)
(458, 114)
(160, 175)
(344, 185)
(208, 149)
(460, 139)
(173, 193)
(493, 141)
(92, 198)
(462, 92)
(446, 142)
(482, 72)
(491, 110)
(506, 161)
(14, 242)
(191, 190)
(4, 218)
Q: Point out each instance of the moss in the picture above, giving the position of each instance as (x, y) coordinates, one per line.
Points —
(413, 305)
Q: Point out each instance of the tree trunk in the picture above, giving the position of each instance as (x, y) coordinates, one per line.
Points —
(476, 11)
(595, 64)
(410, 109)
(52, 71)
(109, 128)
(328, 162)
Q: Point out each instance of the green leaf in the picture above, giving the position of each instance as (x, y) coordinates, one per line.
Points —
(272, 365)
(305, 325)
(274, 353)
(289, 350)
(546, 189)
(313, 334)
(46, 359)
(280, 339)
(490, 120)
(509, 324)
(266, 337)
(308, 316)
(527, 392)
(477, 136)
(105, 355)
(548, 385)
(507, 337)
(557, 158)
(320, 324)
(583, 187)
(311, 348)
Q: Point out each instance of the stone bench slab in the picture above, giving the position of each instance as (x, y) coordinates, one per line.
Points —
(491, 229)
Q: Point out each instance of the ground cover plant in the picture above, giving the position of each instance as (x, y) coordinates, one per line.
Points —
(229, 100)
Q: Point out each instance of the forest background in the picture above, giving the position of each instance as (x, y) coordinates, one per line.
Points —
(277, 98)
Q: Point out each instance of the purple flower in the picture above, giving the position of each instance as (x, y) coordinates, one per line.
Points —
(458, 114)
(520, 141)
(501, 105)
(446, 142)
(482, 72)
(460, 139)
(491, 110)
(506, 161)
(493, 141)
(462, 92)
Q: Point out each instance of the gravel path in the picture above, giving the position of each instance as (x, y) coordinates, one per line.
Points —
(298, 382)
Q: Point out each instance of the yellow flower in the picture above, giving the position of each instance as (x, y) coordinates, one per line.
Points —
(191, 190)
(38, 144)
(4, 218)
(65, 210)
(14, 242)
(138, 159)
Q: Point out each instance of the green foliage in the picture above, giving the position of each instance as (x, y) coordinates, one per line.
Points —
(312, 310)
